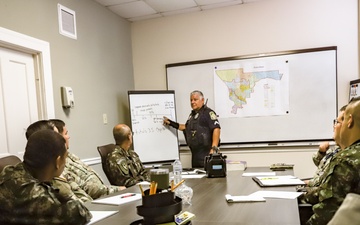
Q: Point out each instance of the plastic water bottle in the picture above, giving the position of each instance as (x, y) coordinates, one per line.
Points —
(177, 170)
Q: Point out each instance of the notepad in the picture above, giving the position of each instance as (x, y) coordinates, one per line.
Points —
(244, 198)
(278, 181)
(118, 199)
(258, 174)
(191, 176)
(100, 215)
(277, 194)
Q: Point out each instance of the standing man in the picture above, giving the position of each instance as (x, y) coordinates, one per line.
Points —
(123, 164)
(202, 129)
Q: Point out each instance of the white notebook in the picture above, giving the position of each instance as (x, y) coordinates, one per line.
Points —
(100, 215)
(118, 199)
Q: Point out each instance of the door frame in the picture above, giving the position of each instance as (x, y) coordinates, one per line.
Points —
(41, 53)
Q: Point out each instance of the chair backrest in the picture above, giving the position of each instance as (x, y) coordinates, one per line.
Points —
(104, 151)
(8, 160)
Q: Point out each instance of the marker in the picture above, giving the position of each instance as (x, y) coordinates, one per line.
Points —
(126, 196)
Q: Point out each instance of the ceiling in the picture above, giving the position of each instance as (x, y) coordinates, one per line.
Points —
(136, 10)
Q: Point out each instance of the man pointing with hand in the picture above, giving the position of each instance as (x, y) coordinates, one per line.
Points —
(202, 129)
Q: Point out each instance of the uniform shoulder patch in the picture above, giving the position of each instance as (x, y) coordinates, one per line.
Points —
(213, 115)
(123, 166)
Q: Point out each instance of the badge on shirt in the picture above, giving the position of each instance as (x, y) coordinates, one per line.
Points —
(123, 166)
(213, 115)
(196, 116)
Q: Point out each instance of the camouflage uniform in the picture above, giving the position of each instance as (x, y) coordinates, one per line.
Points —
(321, 161)
(61, 183)
(340, 178)
(125, 167)
(87, 179)
(25, 200)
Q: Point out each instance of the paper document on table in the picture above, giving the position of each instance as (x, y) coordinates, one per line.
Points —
(193, 176)
(100, 215)
(244, 198)
(277, 194)
(278, 181)
(257, 174)
(195, 171)
(118, 199)
(144, 183)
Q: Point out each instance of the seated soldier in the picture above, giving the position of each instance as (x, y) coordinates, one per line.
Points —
(123, 164)
(58, 182)
(82, 174)
(26, 193)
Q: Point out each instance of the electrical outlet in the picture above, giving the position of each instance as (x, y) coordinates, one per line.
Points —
(105, 120)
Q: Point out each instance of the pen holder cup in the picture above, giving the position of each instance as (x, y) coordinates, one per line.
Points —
(161, 177)
(160, 214)
(159, 199)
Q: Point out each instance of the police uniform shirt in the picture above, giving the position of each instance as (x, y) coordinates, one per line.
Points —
(198, 133)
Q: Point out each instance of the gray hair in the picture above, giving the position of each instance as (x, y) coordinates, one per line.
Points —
(198, 93)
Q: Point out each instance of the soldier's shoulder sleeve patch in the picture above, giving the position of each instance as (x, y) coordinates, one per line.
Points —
(123, 166)
(212, 115)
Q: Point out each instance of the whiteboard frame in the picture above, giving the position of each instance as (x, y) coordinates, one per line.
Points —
(282, 142)
(155, 147)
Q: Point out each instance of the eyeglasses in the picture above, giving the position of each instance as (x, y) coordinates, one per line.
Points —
(336, 121)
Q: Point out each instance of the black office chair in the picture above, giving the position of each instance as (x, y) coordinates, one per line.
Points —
(305, 212)
(8, 160)
(104, 151)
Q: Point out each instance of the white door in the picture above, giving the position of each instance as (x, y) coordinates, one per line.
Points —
(18, 100)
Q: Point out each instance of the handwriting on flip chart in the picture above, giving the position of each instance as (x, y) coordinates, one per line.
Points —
(148, 118)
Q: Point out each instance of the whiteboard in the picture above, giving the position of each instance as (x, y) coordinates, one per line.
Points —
(312, 97)
(153, 141)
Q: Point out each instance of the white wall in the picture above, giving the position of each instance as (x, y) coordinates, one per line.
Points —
(259, 27)
(97, 65)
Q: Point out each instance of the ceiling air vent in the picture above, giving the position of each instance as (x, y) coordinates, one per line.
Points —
(67, 22)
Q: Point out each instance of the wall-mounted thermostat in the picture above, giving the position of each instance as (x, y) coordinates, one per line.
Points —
(67, 96)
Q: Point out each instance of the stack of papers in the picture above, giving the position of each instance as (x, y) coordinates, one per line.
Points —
(244, 198)
(233, 165)
(272, 181)
(258, 174)
(196, 173)
(277, 194)
(260, 196)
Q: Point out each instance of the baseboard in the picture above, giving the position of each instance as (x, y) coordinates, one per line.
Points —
(92, 161)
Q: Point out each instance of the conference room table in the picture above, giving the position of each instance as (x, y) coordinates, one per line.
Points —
(210, 206)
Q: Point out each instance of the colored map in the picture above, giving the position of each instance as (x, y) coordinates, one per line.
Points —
(241, 88)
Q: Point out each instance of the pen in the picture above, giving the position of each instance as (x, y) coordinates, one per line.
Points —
(153, 187)
(141, 189)
(172, 185)
(178, 184)
(129, 195)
